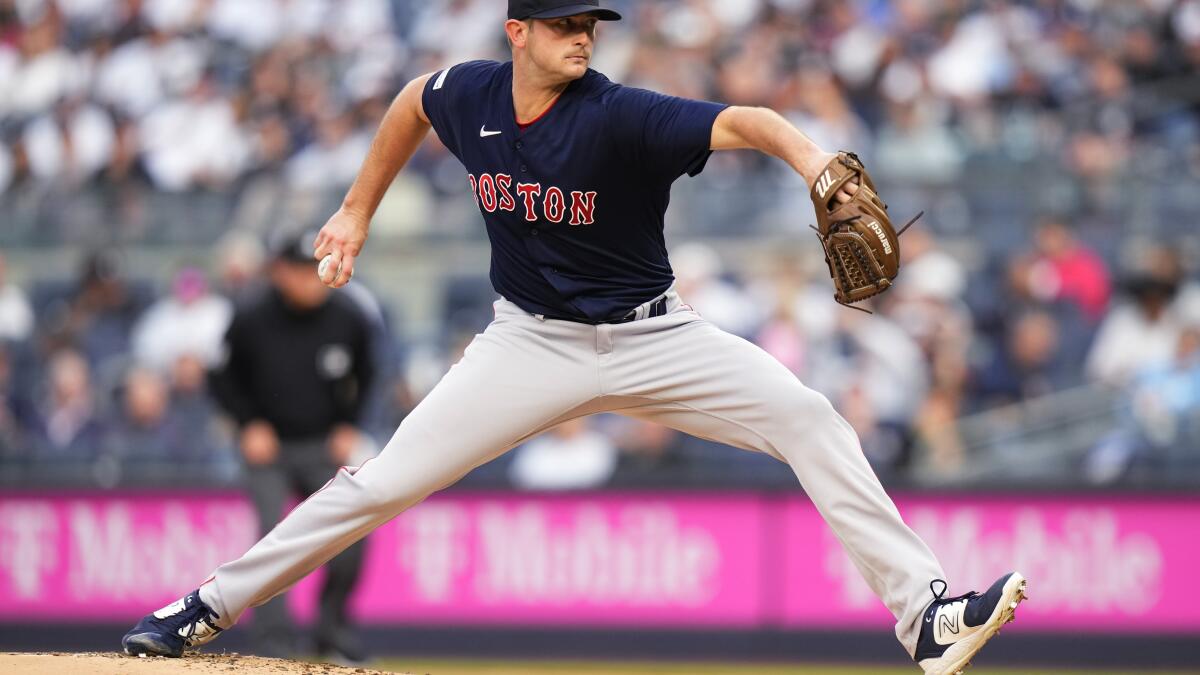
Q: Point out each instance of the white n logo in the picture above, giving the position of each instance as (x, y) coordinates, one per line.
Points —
(823, 184)
(946, 624)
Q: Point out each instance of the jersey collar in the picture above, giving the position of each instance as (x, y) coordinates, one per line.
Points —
(510, 117)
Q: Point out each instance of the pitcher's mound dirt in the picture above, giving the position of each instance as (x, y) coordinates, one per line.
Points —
(191, 664)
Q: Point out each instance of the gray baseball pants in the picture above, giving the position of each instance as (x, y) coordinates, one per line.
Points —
(525, 374)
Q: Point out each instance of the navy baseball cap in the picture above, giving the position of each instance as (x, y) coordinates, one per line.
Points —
(553, 9)
(290, 245)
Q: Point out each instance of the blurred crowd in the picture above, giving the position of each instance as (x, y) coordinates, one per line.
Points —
(255, 99)
(108, 374)
(1056, 142)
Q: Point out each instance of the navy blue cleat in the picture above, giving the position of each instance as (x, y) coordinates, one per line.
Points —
(955, 629)
(187, 622)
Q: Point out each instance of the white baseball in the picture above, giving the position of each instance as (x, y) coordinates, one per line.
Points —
(324, 266)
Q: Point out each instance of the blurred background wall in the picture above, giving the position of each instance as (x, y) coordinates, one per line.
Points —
(1044, 335)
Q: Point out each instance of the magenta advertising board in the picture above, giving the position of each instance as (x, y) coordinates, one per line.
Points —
(108, 557)
(598, 559)
(736, 560)
(1094, 564)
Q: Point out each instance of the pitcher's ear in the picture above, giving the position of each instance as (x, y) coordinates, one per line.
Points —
(518, 32)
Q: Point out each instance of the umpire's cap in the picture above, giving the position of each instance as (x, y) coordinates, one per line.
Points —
(292, 245)
(553, 9)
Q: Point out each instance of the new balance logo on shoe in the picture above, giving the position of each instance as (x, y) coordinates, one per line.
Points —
(955, 629)
(950, 621)
(948, 624)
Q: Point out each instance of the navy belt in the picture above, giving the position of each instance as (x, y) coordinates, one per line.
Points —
(657, 308)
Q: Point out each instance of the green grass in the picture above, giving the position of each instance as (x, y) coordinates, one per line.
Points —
(599, 668)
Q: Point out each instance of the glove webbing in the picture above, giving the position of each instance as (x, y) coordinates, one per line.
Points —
(850, 262)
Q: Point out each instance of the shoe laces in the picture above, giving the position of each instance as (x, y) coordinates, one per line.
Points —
(939, 598)
(190, 617)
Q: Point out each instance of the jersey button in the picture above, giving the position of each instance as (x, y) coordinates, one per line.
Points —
(520, 145)
(534, 232)
(524, 169)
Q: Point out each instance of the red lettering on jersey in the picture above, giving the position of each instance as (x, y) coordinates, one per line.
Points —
(528, 191)
(555, 204)
(503, 183)
(487, 192)
(583, 208)
(474, 188)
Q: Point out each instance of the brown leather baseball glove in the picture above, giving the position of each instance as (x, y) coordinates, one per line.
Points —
(862, 248)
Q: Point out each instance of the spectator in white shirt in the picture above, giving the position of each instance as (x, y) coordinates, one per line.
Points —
(16, 317)
(72, 143)
(332, 161)
(191, 321)
(1143, 330)
(194, 142)
(47, 71)
(572, 456)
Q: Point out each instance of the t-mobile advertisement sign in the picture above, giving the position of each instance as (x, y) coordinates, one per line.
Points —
(1093, 564)
(76, 558)
(599, 559)
(724, 560)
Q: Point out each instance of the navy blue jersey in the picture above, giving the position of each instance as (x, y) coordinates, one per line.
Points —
(574, 202)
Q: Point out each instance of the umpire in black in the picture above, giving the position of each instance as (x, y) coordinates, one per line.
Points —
(297, 368)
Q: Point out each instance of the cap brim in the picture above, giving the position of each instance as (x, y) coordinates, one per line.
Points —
(572, 10)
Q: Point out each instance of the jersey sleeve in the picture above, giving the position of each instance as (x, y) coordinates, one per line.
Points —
(668, 135)
(449, 92)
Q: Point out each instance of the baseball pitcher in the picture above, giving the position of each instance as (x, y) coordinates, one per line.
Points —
(572, 174)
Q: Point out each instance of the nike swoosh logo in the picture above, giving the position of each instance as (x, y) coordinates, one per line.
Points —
(484, 133)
